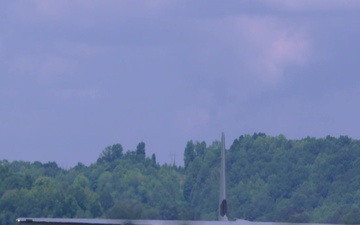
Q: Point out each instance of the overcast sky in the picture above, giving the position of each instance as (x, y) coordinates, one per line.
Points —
(77, 76)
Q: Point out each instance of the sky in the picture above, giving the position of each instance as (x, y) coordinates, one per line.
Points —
(79, 75)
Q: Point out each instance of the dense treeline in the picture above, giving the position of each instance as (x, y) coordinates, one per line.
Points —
(268, 179)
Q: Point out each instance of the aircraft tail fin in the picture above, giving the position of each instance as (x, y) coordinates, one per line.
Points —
(222, 199)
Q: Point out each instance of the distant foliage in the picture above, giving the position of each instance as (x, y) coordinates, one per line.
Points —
(268, 179)
(111, 153)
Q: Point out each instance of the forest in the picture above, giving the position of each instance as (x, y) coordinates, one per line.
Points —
(268, 179)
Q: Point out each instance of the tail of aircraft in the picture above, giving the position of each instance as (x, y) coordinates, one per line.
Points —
(222, 199)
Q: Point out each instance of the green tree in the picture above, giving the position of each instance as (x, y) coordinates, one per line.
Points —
(111, 153)
(140, 151)
(189, 154)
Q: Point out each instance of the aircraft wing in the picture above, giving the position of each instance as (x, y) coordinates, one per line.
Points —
(63, 221)
(67, 221)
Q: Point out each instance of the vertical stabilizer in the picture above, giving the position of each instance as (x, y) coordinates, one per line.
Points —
(222, 200)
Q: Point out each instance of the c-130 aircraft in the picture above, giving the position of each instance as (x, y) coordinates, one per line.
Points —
(222, 213)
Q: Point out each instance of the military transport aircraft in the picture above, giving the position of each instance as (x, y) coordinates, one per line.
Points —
(223, 220)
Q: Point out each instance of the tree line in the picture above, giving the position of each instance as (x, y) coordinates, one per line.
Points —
(268, 179)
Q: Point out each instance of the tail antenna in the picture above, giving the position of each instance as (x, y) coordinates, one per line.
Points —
(222, 200)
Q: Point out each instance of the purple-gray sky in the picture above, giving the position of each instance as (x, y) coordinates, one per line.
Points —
(77, 76)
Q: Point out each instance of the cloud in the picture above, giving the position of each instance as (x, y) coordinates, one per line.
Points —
(66, 94)
(53, 10)
(266, 46)
(2, 58)
(44, 70)
(87, 50)
(319, 5)
(88, 12)
(272, 46)
(51, 68)
(259, 51)
(1, 46)
(22, 65)
(192, 120)
(283, 51)
(244, 57)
